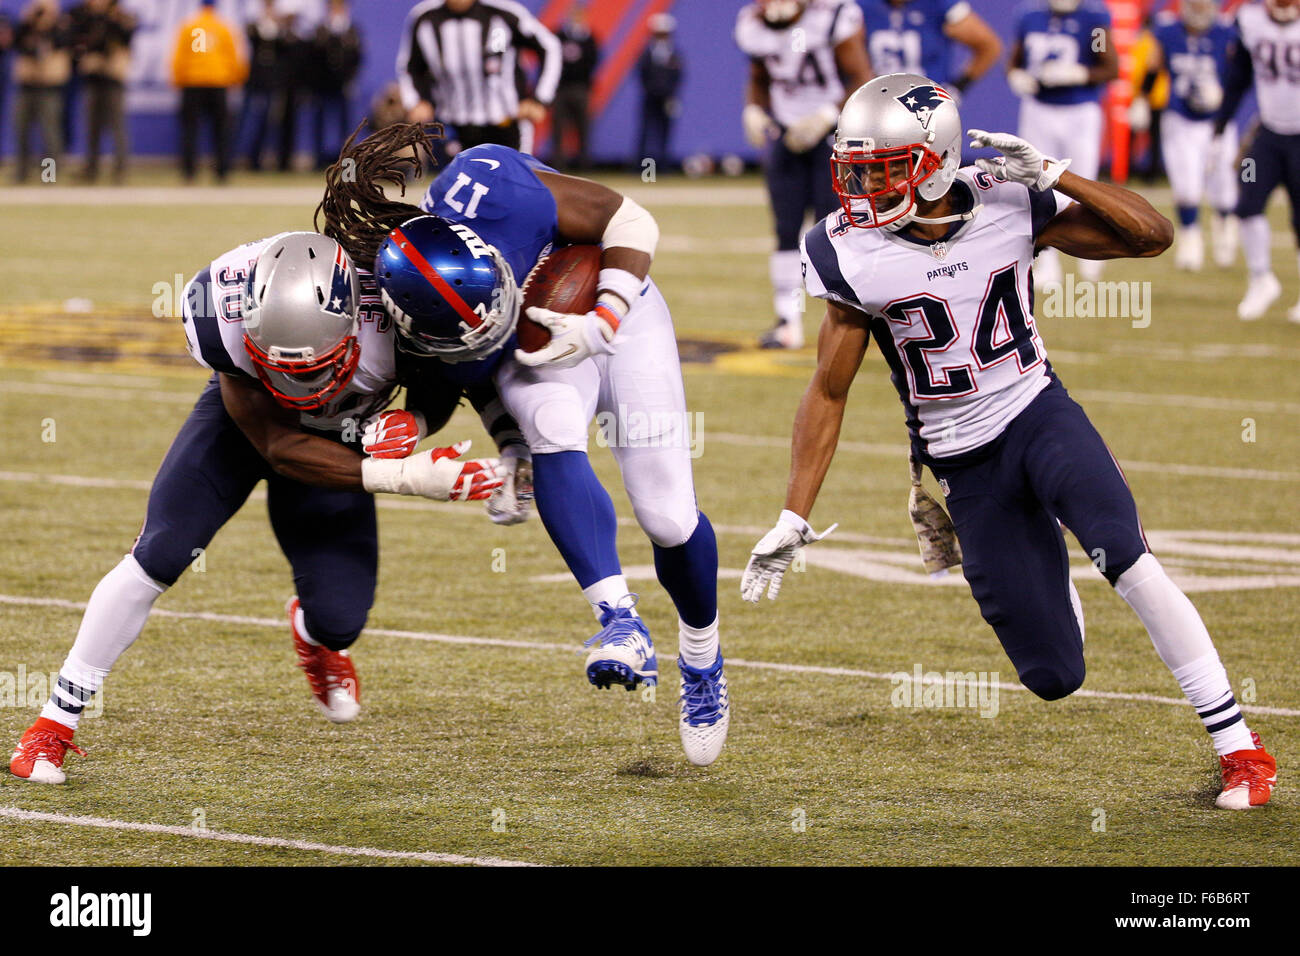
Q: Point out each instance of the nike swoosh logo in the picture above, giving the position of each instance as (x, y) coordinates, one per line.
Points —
(491, 162)
(565, 354)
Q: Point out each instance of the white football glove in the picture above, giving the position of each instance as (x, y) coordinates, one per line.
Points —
(393, 434)
(807, 131)
(771, 557)
(1060, 73)
(759, 128)
(1020, 162)
(574, 338)
(1022, 82)
(436, 473)
(512, 503)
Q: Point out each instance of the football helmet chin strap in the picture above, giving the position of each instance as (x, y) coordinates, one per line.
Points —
(908, 219)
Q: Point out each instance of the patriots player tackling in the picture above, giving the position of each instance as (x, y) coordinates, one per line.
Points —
(932, 261)
(804, 57)
(450, 273)
(301, 352)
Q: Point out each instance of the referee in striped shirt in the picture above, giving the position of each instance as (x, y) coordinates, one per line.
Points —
(459, 64)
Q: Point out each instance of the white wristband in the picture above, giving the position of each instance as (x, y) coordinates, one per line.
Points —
(622, 283)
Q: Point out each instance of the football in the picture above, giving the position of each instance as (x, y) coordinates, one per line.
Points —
(564, 281)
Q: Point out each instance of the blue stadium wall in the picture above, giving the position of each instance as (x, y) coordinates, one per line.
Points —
(712, 96)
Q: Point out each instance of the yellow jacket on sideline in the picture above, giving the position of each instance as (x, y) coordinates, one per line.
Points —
(206, 53)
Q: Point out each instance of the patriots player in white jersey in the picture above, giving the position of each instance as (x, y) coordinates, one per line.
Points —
(804, 56)
(1267, 54)
(932, 261)
(1060, 62)
(301, 352)
(1195, 46)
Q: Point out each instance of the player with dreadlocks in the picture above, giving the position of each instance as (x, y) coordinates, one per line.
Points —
(495, 213)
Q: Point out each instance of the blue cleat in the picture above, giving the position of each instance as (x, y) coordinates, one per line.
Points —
(624, 653)
(705, 712)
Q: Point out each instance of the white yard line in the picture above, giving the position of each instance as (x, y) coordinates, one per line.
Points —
(575, 648)
(103, 823)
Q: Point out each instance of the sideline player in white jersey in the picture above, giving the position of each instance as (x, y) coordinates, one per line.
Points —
(1195, 45)
(804, 55)
(1060, 62)
(1268, 52)
(299, 347)
(932, 262)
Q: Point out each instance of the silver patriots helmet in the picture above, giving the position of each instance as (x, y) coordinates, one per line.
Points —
(899, 137)
(300, 309)
(1063, 7)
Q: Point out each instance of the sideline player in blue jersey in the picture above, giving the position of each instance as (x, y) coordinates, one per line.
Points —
(300, 350)
(1060, 62)
(921, 36)
(1194, 45)
(451, 282)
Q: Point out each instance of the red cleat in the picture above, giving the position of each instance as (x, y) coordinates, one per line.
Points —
(39, 755)
(331, 675)
(1248, 777)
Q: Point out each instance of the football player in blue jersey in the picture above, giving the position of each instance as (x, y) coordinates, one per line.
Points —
(1194, 46)
(1267, 57)
(450, 273)
(804, 57)
(930, 260)
(301, 353)
(921, 36)
(1060, 62)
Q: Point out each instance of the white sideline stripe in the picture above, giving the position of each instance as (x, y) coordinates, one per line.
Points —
(103, 823)
(576, 649)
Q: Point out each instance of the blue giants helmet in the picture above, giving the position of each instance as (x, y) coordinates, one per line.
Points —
(451, 295)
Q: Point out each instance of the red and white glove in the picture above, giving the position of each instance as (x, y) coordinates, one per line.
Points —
(436, 473)
(574, 338)
(393, 434)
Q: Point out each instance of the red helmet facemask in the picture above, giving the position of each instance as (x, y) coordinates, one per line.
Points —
(313, 372)
(877, 187)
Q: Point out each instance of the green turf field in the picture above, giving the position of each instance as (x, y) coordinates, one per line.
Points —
(496, 748)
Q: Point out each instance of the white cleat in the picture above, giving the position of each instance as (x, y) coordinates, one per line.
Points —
(1225, 240)
(783, 335)
(1189, 251)
(1260, 294)
(1293, 314)
(705, 712)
